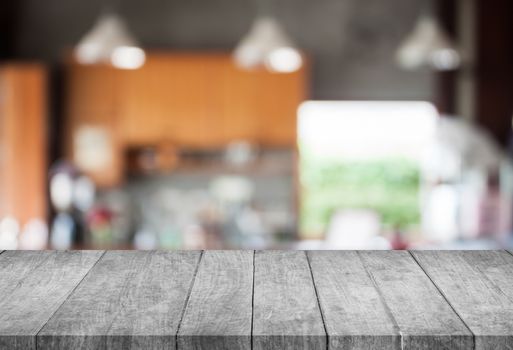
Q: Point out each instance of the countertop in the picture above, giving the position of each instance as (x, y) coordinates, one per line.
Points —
(256, 299)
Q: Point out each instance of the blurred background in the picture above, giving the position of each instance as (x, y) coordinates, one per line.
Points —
(259, 124)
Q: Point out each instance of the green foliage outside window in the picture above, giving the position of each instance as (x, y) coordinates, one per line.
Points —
(388, 186)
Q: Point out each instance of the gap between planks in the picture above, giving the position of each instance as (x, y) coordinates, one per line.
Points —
(389, 311)
(187, 298)
(67, 297)
(252, 300)
(444, 296)
(318, 300)
(382, 298)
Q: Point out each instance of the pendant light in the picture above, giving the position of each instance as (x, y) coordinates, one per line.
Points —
(428, 45)
(109, 41)
(267, 44)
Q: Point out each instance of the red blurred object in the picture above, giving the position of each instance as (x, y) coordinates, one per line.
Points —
(99, 222)
(398, 242)
(99, 216)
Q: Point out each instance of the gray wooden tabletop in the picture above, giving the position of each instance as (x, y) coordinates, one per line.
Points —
(256, 300)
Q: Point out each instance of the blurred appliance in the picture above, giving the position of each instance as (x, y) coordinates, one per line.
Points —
(72, 195)
(465, 192)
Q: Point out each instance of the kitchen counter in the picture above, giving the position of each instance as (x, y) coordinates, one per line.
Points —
(256, 300)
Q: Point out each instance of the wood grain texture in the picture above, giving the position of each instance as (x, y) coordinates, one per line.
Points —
(425, 319)
(479, 285)
(129, 300)
(32, 287)
(286, 313)
(354, 313)
(262, 300)
(218, 314)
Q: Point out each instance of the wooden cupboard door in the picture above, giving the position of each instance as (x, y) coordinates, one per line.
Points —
(91, 88)
(184, 95)
(166, 100)
(256, 106)
(23, 163)
(215, 87)
(93, 137)
(204, 101)
(239, 117)
(140, 111)
(279, 96)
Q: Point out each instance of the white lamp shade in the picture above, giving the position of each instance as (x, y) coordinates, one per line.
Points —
(428, 45)
(109, 41)
(268, 44)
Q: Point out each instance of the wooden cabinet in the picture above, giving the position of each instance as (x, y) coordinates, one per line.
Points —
(92, 89)
(258, 106)
(236, 117)
(23, 141)
(165, 100)
(185, 109)
(191, 100)
(93, 137)
(276, 107)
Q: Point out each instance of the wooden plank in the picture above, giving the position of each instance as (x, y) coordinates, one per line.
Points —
(424, 317)
(218, 315)
(33, 284)
(479, 285)
(354, 313)
(129, 300)
(286, 313)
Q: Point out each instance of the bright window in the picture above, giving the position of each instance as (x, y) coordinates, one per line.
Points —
(362, 155)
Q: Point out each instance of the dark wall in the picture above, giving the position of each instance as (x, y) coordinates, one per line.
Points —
(351, 42)
(8, 24)
(494, 71)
